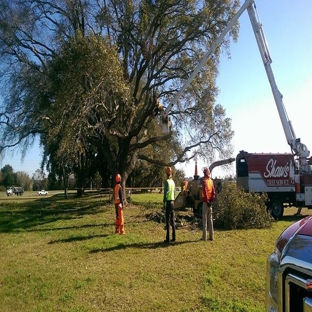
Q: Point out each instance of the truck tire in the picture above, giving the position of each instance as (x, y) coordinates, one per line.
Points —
(277, 208)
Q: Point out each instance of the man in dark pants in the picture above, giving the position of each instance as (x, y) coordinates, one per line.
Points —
(169, 193)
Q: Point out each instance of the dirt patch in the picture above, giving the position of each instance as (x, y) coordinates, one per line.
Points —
(182, 219)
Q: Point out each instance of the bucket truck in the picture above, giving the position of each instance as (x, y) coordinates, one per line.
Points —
(286, 178)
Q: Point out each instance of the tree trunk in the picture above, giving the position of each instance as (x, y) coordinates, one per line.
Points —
(124, 193)
(65, 179)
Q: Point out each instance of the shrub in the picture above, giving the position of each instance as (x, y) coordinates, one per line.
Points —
(2, 188)
(236, 209)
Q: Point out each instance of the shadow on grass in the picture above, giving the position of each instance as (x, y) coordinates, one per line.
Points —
(143, 246)
(23, 215)
(77, 238)
(293, 218)
(73, 227)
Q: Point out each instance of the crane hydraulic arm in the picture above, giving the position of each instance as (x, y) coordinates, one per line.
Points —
(296, 146)
(165, 113)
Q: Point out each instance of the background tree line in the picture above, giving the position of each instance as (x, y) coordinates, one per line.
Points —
(91, 78)
(10, 178)
(40, 180)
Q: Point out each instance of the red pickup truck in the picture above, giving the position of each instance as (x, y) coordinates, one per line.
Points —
(289, 270)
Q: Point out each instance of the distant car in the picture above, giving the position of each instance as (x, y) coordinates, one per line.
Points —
(43, 192)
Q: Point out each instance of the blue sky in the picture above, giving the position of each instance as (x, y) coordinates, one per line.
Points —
(245, 91)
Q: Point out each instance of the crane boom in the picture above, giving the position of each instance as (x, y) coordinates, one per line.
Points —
(296, 146)
(299, 149)
(206, 57)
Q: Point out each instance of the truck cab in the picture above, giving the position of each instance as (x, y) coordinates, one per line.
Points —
(289, 270)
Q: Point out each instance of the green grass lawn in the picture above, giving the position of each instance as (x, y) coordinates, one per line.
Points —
(63, 255)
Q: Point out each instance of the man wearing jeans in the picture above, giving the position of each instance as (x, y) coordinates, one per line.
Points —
(208, 196)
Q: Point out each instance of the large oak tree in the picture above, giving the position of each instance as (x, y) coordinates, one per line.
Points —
(87, 77)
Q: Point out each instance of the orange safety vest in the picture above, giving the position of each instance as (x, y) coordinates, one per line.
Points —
(117, 196)
(208, 191)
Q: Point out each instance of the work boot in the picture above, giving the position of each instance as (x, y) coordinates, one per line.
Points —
(173, 237)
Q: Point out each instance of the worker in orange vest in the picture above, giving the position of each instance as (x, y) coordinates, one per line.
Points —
(208, 196)
(119, 204)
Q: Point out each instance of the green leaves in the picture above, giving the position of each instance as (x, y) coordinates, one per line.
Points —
(236, 209)
(87, 80)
